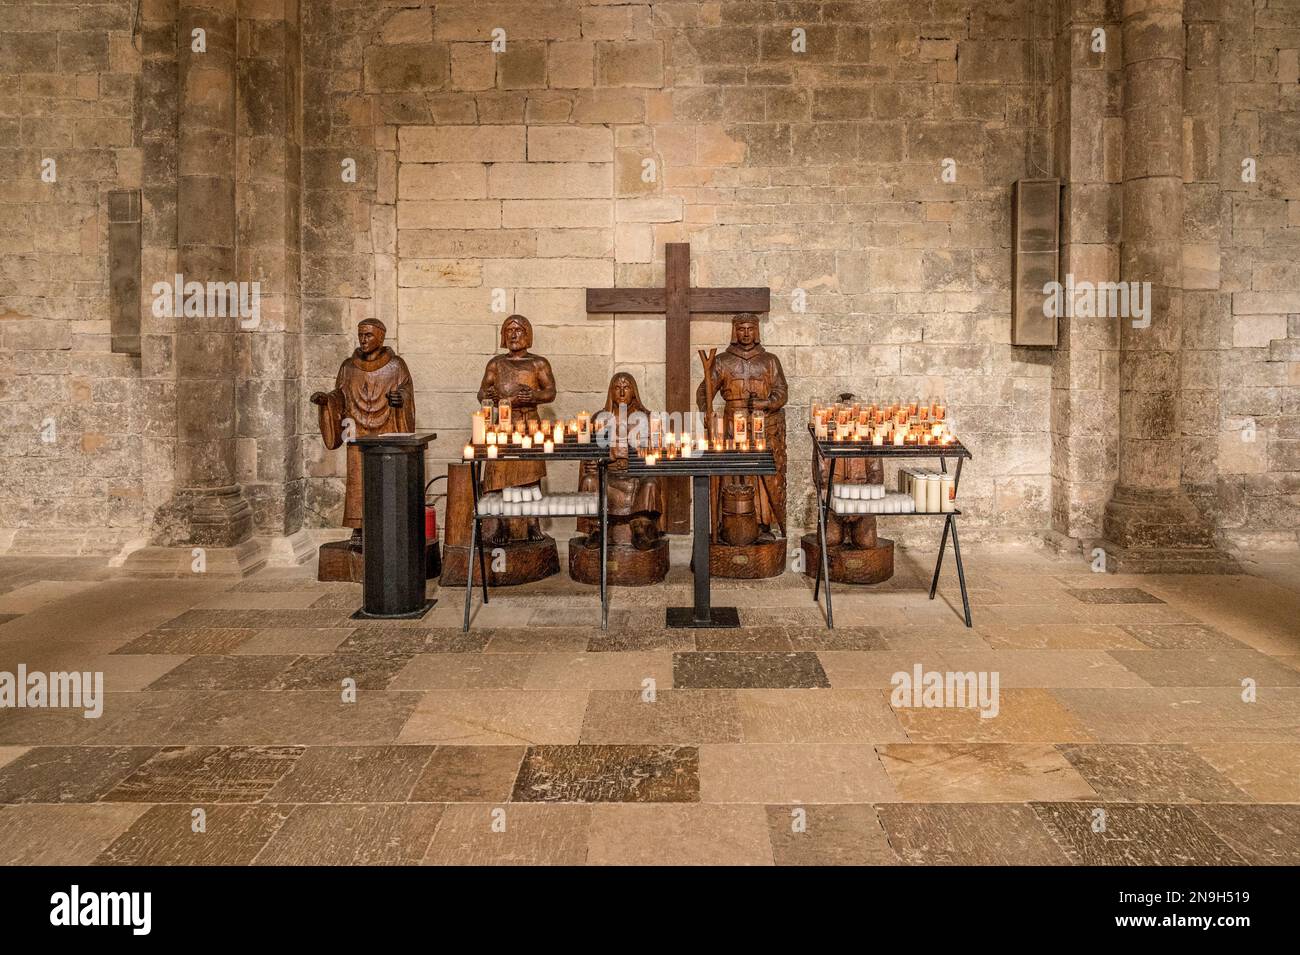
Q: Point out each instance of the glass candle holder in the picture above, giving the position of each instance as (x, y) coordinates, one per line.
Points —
(504, 412)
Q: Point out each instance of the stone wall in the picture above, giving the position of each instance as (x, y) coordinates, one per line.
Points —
(71, 459)
(1250, 311)
(489, 182)
(820, 171)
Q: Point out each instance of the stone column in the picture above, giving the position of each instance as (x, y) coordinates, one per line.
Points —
(207, 508)
(1150, 523)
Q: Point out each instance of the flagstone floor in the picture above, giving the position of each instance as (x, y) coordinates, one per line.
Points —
(1126, 729)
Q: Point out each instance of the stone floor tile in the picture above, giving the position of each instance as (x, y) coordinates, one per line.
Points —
(190, 640)
(1134, 834)
(347, 774)
(9, 753)
(517, 834)
(641, 639)
(469, 774)
(696, 834)
(369, 670)
(981, 772)
(792, 773)
(224, 673)
(1023, 716)
(165, 835)
(1268, 772)
(672, 716)
(1207, 667)
(817, 716)
(828, 835)
(600, 671)
(1262, 835)
(968, 834)
(348, 835)
(1149, 773)
(62, 774)
(1114, 595)
(509, 717)
(207, 774)
(44, 834)
(465, 671)
(624, 773)
(288, 641)
(1183, 714)
(725, 670)
(1072, 636)
(1181, 636)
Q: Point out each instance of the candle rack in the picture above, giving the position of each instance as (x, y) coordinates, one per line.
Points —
(831, 451)
(592, 451)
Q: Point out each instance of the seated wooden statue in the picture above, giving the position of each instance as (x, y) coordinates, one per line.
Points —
(638, 550)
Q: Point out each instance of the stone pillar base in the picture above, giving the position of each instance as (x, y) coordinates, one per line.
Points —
(1160, 532)
(194, 560)
(204, 517)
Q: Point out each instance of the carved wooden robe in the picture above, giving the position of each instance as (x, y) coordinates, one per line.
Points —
(361, 394)
(751, 379)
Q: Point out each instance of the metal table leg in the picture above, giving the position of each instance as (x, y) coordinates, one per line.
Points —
(823, 509)
(475, 546)
(602, 506)
(702, 613)
(943, 544)
(961, 572)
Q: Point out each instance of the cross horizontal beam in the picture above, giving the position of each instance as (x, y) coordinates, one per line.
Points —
(701, 300)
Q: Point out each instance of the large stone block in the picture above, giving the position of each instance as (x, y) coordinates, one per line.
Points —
(451, 214)
(561, 180)
(406, 66)
(462, 143)
(557, 213)
(638, 63)
(570, 144)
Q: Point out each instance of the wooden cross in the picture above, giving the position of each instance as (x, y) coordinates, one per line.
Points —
(677, 301)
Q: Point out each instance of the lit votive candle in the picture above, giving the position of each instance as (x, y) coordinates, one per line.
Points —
(558, 433)
(760, 444)
(479, 428)
(469, 452)
(548, 446)
(878, 439)
(491, 438)
(651, 458)
(526, 442)
(492, 451)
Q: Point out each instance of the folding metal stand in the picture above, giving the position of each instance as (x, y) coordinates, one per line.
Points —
(832, 451)
(593, 452)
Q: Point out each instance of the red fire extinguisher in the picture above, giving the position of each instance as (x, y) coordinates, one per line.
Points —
(431, 509)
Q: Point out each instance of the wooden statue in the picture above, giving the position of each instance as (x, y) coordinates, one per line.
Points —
(855, 554)
(373, 394)
(637, 549)
(748, 513)
(526, 381)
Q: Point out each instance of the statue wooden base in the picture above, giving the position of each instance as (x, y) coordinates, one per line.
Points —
(850, 565)
(344, 561)
(525, 561)
(626, 566)
(763, 558)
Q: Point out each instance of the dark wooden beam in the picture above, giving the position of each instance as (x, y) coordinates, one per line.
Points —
(677, 368)
(715, 300)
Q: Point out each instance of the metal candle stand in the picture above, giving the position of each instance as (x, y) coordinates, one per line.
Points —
(568, 451)
(832, 451)
(701, 466)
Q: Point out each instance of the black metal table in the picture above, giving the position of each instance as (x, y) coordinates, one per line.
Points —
(832, 451)
(700, 467)
(569, 451)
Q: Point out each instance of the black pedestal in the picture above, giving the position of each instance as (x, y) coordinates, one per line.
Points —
(392, 469)
(703, 614)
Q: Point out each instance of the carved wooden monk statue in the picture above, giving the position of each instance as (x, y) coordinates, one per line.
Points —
(749, 378)
(374, 392)
(525, 380)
